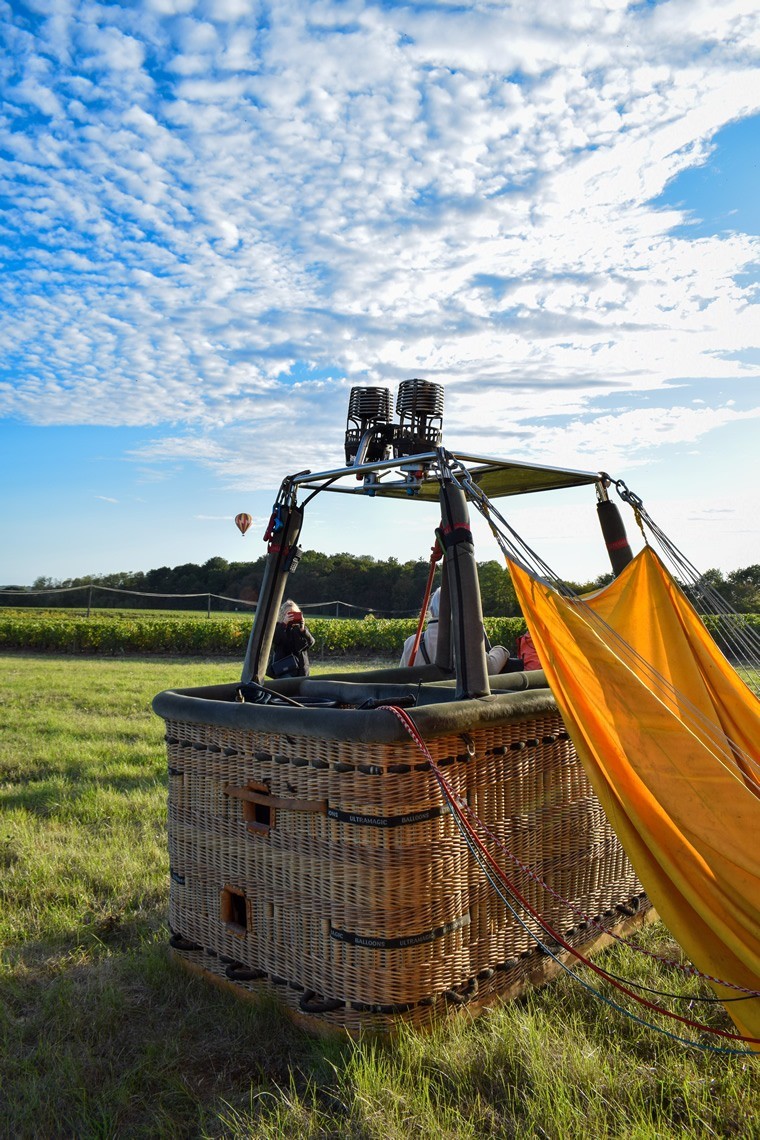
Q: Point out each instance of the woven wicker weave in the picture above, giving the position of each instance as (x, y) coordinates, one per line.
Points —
(330, 870)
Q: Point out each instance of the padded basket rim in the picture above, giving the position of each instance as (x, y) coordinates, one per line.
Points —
(216, 705)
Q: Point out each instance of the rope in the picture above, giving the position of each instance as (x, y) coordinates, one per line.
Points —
(220, 597)
(436, 554)
(117, 590)
(734, 631)
(498, 879)
(690, 970)
(723, 750)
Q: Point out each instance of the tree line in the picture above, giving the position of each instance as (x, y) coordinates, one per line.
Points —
(361, 583)
(387, 588)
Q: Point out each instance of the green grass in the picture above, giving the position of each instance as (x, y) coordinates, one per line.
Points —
(102, 1036)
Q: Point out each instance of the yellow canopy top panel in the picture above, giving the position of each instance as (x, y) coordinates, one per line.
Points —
(417, 478)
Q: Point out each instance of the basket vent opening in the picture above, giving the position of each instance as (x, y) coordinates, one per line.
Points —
(259, 817)
(234, 910)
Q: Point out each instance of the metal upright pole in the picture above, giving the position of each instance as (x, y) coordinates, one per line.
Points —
(455, 537)
(282, 547)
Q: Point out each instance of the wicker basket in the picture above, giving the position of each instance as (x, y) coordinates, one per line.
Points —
(312, 853)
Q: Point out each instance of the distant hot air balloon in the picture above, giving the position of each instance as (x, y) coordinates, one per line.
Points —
(242, 522)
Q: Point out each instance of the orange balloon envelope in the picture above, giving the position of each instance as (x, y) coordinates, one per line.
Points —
(242, 522)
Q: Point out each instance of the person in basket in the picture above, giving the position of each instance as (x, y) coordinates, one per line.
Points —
(429, 641)
(291, 643)
(497, 657)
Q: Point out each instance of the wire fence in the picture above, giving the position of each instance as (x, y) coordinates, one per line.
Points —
(87, 596)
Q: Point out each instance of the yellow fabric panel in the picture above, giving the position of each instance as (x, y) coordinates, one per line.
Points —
(683, 804)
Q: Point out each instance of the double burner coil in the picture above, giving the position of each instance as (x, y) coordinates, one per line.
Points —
(370, 436)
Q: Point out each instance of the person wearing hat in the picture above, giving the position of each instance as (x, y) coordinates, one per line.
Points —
(290, 644)
(496, 655)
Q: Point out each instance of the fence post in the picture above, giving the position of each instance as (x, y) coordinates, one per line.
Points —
(208, 611)
(89, 601)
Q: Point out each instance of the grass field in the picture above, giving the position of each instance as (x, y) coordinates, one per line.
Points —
(102, 1036)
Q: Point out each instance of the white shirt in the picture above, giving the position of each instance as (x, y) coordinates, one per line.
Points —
(496, 658)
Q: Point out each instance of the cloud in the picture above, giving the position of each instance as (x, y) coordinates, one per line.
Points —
(714, 514)
(588, 436)
(205, 209)
(106, 499)
(576, 434)
(227, 519)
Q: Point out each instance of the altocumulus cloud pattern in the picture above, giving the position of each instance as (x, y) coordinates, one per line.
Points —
(220, 213)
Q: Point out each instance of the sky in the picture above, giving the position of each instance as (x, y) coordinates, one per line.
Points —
(217, 216)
